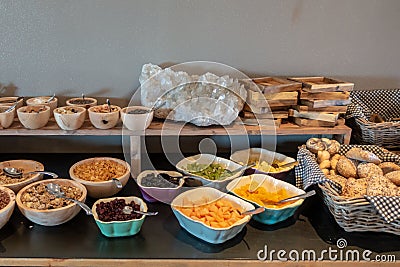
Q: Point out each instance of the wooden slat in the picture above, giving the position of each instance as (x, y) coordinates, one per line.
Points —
(324, 103)
(325, 95)
(276, 84)
(323, 84)
(313, 123)
(314, 115)
(338, 109)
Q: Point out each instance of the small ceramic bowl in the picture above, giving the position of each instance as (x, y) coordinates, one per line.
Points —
(53, 216)
(120, 228)
(10, 100)
(6, 212)
(25, 165)
(136, 118)
(251, 155)
(70, 117)
(102, 118)
(6, 118)
(78, 101)
(42, 100)
(100, 188)
(271, 215)
(201, 230)
(34, 117)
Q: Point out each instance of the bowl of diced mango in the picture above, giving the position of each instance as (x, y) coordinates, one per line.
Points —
(210, 214)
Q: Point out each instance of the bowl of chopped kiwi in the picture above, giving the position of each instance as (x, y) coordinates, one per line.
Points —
(212, 170)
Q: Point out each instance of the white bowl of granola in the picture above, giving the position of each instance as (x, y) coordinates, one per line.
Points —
(101, 175)
(103, 117)
(70, 117)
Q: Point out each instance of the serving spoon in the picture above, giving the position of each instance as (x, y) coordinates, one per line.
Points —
(51, 98)
(293, 198)
(17, 173)
(129, 210)
(109, 104)
(15, 104)
(55, 190)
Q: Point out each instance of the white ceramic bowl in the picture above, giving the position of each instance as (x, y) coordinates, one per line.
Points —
(136, 122)
(201, 230)
(51, 217)
(77, 101)
(101, 189)
(6, 118)
(270, 184)
(16, 184)
(208, 159)
(120, 228)
(104, 120)
(10, 100)
(259, 154)
(70, 117)
(36, 119)
(6, 212)
(42, 100)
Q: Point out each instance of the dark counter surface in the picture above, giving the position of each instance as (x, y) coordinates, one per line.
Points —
(161, 237)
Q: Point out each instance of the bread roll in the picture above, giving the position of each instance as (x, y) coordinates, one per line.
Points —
(315, 145)
(323, 155)
(338, 179)
(346, 167)
(379, 185)
(355, 187)
(362, 155)
(394, 177)
(367, 169)
(389, 167)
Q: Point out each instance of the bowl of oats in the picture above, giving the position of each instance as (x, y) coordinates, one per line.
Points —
(7, 204)
(102, 176)
(70, 117)
(24, 166)
(41, 207)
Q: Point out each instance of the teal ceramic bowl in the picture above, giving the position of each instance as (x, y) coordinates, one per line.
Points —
(120, 228)
(270, 215)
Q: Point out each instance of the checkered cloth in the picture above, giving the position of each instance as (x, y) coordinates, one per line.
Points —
(384, 102)
(308, 173)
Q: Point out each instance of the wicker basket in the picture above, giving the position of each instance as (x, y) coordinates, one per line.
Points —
(356, 214)
(382, 102)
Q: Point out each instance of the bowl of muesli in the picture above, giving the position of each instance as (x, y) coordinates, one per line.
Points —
(104, 116)
(34, 117)
(22, 165)
(70, 117)
(102, 176)
(44, 208)
(7, 204)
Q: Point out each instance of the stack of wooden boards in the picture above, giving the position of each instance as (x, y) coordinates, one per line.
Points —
(308, 101)
(321, 101)
(270, 100)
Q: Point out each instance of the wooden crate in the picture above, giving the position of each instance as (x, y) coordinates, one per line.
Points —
(323, 84)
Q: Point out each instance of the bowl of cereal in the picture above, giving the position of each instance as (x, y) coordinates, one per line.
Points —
(70, 117)
(34, 117)
(102, 176)
(41, 207)
(103, 116)
(85, 102)
(111, 219)
(6, 118)
(50, 101)
(7, 204)
(8, 101)
(24, 166)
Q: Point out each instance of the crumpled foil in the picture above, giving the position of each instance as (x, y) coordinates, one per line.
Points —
(202, 100)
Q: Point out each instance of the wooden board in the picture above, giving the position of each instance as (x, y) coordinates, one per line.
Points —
(263, 122)
(314, 115)
(313, 123)
(332, 109)
(324, 95)
(323, 84)
(262, 110)
(271, 115)
(255, 96)
(276, 84)
(324, 103)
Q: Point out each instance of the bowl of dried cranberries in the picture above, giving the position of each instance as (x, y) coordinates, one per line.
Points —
(114, 221)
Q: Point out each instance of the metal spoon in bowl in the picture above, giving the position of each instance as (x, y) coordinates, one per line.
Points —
(17, 173)
(294, 198)
(55, 190)
(243, 168)
(129, 210)
(51, 98)
(109, 104)
(253, 211)
(289, 164)
(15, 104)
(117, 182)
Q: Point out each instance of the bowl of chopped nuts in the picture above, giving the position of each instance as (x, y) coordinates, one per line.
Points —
(102, 176)
(103, 116)
(70, 117)
(113, 221)
(34, 117)
(7, 204)
(41, 207)
(50, 101)
(24, 166)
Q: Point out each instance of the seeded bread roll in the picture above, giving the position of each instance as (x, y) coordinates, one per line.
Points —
(379, 185)
(362, 155)
(346, 167)
(367, 169)
(338, 179)
(355, 187)
(389, 167)
(394, 177)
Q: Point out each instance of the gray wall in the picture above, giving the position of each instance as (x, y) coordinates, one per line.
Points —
(98, 47)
